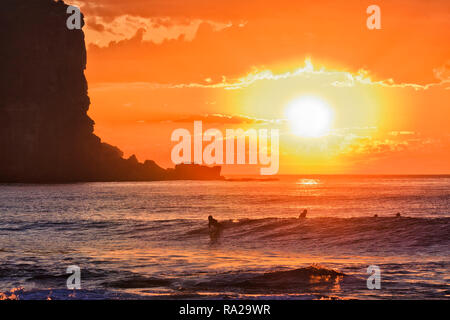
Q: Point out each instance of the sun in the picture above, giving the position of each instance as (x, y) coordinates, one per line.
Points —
(309, 116)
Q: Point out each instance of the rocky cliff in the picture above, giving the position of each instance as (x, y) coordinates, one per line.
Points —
(45, 132)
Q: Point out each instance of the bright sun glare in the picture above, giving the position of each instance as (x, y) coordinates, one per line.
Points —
(309, 117)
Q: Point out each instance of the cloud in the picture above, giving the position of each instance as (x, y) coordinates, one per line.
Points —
(216, 118)
(355, 145)
(186, 41)
(92, 24)
(350, 80)
(334, 78)
(443, 72)
(362, 78)
(157, 30)
(220, 10)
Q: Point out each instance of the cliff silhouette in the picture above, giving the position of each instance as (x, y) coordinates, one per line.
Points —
(46, 135)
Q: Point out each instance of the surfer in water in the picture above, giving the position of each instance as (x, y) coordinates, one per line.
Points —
(303, 214)
(214, 227)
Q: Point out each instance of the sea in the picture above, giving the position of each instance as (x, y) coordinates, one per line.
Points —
(150, 240)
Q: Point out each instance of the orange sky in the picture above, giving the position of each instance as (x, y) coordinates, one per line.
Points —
(154, 66)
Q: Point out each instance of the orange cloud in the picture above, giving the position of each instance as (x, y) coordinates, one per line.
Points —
(259, 35)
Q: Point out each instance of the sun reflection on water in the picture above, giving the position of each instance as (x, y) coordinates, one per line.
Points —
(309, 182)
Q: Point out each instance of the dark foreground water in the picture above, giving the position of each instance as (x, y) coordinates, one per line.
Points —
(150, 240)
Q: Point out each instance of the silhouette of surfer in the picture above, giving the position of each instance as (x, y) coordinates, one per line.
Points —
(398, 215)
(214, 227)
(303, 214)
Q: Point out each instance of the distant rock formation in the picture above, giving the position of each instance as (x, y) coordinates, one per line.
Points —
(46, 135)
(194, 172)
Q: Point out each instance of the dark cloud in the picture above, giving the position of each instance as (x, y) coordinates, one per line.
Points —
(92, 23)
(215, 119)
